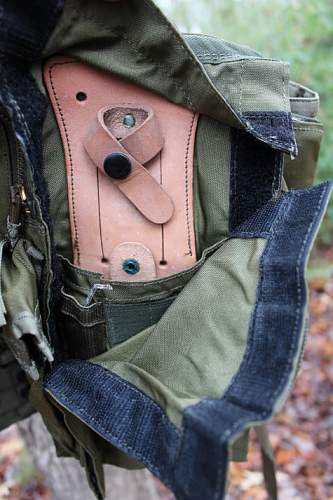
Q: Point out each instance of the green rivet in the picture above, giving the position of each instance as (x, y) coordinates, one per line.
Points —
(129, 120)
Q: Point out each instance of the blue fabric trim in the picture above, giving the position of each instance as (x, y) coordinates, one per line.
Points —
(118, 412)
(26, 26)
(255, 176)
(274, 128)
(194, 463)
(273, 344)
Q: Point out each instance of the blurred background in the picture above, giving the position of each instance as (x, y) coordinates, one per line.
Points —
(301, 32)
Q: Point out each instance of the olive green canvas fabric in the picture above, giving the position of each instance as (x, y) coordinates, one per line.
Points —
(185, 336)
(196, 348)
(300, 172)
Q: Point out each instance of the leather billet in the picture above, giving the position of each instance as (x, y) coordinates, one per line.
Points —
(139, 227)
(140, 187)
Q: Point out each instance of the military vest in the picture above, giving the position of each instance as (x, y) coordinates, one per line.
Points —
(156, 217)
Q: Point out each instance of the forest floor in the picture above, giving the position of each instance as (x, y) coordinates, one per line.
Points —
(302, 434)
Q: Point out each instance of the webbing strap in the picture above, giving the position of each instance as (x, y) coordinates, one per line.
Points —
(268, 463)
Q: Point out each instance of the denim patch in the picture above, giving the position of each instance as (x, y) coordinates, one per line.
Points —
(194, 463)
(255, 176)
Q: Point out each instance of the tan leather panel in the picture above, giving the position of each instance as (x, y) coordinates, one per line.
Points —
(102, 218)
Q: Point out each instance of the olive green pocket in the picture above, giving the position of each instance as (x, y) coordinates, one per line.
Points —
(303, 101)
(21, 270)
(83, 328)
(300, 172)
(88, 331)
(96, 315)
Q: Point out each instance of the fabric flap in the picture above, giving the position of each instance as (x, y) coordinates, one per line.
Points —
(134, 40)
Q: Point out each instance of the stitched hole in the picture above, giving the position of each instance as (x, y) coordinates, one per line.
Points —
(105, 260)
(163, 263)
(81, 96)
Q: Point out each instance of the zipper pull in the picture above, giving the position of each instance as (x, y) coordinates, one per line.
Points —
(15, 206)
(23, 200)
(18, 203)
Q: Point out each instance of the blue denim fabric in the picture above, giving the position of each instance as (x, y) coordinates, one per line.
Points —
(193, 463)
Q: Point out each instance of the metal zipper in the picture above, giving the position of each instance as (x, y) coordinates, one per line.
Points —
(18, 197)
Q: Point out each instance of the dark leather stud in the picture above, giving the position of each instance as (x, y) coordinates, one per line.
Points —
(117, 166)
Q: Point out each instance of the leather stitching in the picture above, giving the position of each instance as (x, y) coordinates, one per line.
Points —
(188, 225)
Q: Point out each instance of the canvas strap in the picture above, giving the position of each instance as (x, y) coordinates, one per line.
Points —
(268, 462)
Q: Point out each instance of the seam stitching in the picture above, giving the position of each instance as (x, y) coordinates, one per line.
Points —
(187, 186)
(241, 86)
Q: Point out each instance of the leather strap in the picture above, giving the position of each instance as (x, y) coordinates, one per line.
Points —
(139, 187)
(145, 140)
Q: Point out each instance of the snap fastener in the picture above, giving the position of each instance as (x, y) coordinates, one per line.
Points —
(117, 166)
(129, 120)
(131, 266)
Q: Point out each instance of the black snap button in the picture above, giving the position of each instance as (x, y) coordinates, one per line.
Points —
(117, 166)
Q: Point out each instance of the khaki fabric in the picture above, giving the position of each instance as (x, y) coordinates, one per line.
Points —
(252, 84)
(138, 43)
(20, 318)
(300, 172)
(197, 346)
(55, 174)
(211, 183)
